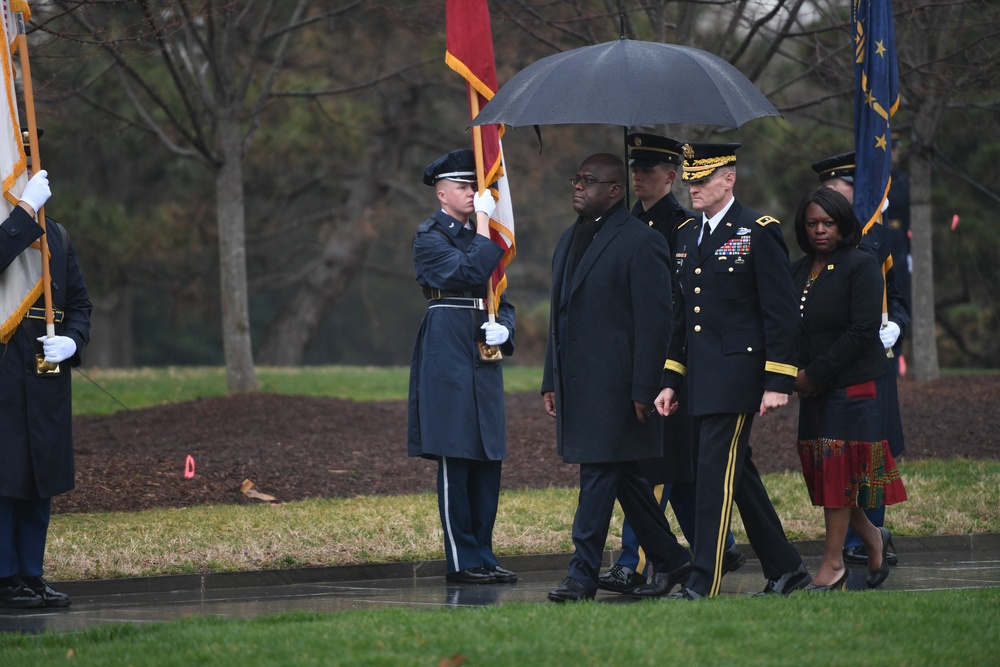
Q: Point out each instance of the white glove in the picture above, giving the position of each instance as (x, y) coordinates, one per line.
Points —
(37, 191)
(485, 203)
(889, 334)
(496, 334)
(57, 348)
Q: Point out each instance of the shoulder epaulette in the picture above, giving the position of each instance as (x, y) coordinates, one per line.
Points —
(684, 223)
(765, 220)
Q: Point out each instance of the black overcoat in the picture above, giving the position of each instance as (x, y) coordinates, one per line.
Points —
(36, 446)
(456, 402)
(608, 338)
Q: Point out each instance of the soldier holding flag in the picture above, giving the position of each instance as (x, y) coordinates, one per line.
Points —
(456, 404)
(44, 324)
(35, 395)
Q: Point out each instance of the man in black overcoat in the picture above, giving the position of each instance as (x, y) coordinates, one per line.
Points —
(608, 339)
(734, 344)
(36, 449)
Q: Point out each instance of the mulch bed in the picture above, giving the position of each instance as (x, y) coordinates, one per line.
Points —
(299, 447)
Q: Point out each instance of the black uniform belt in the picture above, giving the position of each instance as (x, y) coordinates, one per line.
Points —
(39, 314)
(457, 302)
(435, 293)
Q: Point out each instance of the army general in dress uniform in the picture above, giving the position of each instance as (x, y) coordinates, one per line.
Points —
(735, 346)
(655, 161)
(456, 403)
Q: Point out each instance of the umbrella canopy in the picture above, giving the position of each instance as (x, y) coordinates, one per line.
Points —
(628, 82)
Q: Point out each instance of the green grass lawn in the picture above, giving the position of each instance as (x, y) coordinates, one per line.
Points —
(953, 627)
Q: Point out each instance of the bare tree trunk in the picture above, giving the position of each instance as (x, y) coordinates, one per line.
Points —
(924, 365)
(304, 313)
(236, 343)
(110, 343)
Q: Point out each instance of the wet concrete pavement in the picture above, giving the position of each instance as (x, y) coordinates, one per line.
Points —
(925, 563)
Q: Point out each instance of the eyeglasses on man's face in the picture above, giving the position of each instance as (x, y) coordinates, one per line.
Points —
(587, 180)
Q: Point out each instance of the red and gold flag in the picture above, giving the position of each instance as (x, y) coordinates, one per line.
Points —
(470, 53)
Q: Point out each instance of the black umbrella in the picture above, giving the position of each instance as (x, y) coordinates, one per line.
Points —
(630, 83)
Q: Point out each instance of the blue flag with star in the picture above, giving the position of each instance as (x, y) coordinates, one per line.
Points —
(876, 98)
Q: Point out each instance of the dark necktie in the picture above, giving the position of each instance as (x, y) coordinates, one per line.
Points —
(706, 232)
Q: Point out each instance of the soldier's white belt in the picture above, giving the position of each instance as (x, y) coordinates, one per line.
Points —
(457, 302)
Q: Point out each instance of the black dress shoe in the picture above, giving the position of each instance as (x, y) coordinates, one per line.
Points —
(15, 595)
(620, 579)
(50, 597)
(472, 575)
(838, 585)
(685, 593)
(858, 556)
(663, 582)
(733, 559)
(570, 590)
(875, 578)
(503, 575)
(787, 583)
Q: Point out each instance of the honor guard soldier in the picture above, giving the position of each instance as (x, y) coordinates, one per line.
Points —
(837, 172)
(734, 345)
(456, 404)
(36, 449)
(654, 162)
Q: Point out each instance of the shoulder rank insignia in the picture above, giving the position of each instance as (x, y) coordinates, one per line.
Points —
(765, 220)
(742, 231)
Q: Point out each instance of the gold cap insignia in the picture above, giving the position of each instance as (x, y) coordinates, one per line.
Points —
(688, 151)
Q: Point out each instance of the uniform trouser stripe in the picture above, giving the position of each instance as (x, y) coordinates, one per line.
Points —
(446, 513)
(641, 567)
(729, 489)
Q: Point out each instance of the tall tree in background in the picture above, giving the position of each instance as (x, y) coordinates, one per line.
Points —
(198, 78)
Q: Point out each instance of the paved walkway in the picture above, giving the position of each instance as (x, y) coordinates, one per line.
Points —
(930, 563)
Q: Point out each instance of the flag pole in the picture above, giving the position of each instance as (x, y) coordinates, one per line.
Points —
(477, 145)
(36, 163)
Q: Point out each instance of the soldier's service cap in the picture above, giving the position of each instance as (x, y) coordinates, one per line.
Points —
(701, 160)
(457, 165)
(838, 166)
(649, 150)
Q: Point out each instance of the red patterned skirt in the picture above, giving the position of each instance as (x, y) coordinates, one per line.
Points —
(845, 457)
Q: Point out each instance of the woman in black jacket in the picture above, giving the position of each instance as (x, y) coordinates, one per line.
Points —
(845, 456)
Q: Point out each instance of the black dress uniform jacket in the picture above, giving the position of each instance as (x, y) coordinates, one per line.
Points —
(736, 321)
(36, 448)
(608, 338)
(677, 463)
